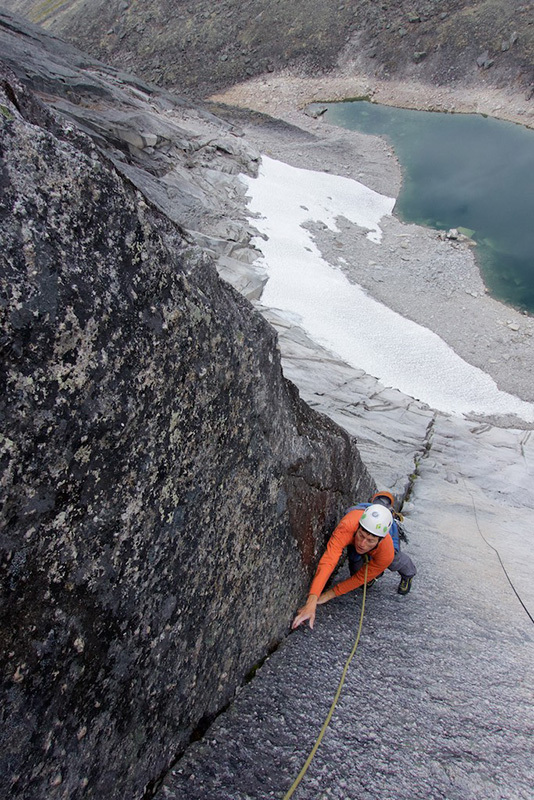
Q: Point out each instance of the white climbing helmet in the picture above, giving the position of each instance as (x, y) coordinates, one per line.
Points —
(377, 519)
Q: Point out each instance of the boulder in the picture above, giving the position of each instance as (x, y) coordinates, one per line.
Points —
(166, 492)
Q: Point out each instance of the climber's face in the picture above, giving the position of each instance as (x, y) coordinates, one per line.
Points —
(364, 541)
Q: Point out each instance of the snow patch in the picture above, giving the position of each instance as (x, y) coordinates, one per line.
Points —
(339, 315)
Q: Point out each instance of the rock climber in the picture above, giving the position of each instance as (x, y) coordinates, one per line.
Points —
(402, 563)
(365, 532)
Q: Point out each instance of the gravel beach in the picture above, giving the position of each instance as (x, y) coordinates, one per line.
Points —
(414, 271)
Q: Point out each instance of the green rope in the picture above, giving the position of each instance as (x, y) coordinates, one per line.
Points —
(336, 698)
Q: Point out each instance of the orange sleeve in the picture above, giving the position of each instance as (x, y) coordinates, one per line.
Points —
(379, 559)
(341, 537)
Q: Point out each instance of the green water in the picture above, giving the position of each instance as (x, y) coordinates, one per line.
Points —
(463, 171)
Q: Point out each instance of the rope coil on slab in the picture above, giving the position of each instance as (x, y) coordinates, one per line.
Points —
(336, 698)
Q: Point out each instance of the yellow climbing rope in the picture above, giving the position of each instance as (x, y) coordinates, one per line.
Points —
(336, 698)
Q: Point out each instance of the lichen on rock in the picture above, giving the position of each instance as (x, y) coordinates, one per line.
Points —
(166, 492)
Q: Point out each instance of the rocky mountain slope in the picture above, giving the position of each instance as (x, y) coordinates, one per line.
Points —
(165, 491)
(203, 46)
(118, 198)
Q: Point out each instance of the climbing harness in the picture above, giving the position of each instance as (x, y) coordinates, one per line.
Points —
(336, 697)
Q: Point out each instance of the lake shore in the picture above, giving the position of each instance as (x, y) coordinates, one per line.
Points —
(283, 93)
(414, 271)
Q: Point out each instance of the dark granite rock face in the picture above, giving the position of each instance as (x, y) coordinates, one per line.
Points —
(165, 491)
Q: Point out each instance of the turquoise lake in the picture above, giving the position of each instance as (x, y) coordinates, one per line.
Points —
(463, 171)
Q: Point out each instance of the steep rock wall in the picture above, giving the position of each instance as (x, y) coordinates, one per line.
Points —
(165, 491)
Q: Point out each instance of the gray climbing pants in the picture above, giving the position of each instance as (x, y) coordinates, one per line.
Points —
(403, 564)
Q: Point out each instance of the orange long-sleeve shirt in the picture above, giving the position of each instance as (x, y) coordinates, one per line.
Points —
(379, 558)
